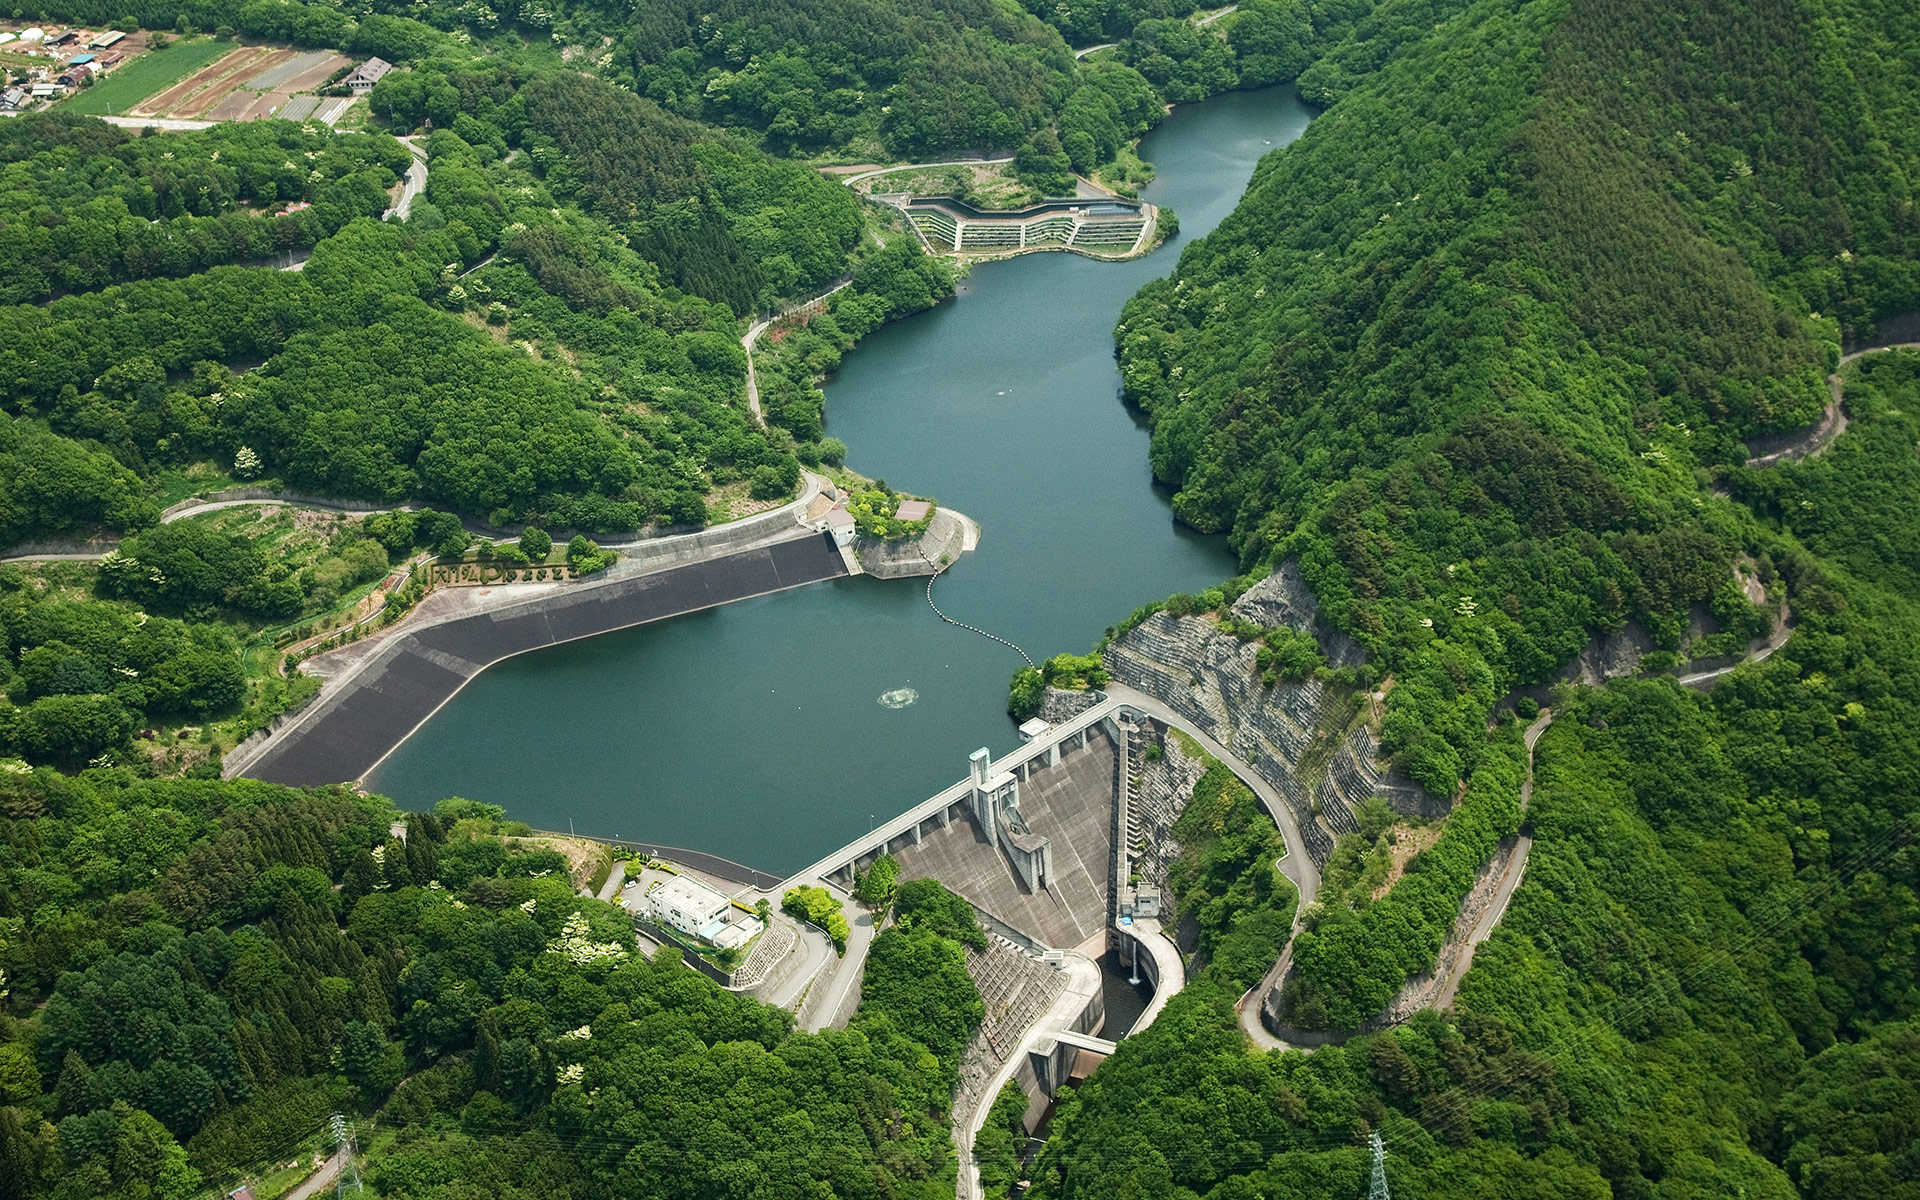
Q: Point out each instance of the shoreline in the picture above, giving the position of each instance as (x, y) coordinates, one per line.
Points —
(434, 656)
(469, 602)
(425, 660)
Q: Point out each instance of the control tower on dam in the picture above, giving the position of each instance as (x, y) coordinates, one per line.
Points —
(1035, 848)
(1040, 842)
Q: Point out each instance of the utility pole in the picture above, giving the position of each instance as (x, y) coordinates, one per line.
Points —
(1378, 1191)
(348, 1182)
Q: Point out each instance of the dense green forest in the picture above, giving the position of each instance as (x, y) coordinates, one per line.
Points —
(1469, 347)
(196, 974)
(551, 337)
(1483, 350)
(1707, 985)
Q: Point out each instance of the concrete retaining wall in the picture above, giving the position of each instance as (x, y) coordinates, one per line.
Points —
(945, 538)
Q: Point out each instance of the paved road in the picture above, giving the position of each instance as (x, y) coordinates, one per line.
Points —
(615, 878)
(813, 951)
(1211, 17)
(323, 1176)
(836, 993)
(1297, 866)
(413, 183)
(1833, 422)
(1778, 638)
(1089, 50)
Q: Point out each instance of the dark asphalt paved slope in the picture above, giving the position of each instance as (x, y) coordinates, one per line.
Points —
(348, 732)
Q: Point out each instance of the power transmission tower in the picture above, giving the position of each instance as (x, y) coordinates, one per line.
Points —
(1379, 1189)
(348, 1183)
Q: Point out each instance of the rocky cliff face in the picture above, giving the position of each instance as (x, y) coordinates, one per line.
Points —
(1303, 738)
(1165, 785)
(1283, 599)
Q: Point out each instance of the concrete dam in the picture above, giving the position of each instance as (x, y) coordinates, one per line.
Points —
(1107, 227)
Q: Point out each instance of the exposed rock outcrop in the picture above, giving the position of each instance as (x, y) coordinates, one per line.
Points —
(1303, 738)
(1166, 784)
(1063, 704)
(1283, 599)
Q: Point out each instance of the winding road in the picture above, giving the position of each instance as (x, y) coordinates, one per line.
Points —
(759, 327)
(1832, 422)
(412, 183)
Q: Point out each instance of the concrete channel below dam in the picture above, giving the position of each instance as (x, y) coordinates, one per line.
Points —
(1053, 845)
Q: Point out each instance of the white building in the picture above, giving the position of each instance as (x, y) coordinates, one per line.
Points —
(687, 905)
(840, 524)
(361, 79)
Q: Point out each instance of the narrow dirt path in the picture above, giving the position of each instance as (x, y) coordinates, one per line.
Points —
(1509, 880)
(1455, 963)
(759, 327)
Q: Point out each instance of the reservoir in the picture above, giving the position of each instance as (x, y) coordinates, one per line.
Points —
(758, 731)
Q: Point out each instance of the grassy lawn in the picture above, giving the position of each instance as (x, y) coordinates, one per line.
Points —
(150, 73)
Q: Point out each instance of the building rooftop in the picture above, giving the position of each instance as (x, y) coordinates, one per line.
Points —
(687, 893)
(839, 518)
(913, 510)
(1032, 729)
(370, 71)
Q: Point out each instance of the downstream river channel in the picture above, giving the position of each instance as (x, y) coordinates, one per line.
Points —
(757, 731)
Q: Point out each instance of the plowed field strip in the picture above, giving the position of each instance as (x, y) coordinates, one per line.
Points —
(187, 90)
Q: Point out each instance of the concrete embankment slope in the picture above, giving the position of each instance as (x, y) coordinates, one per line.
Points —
(358, 722)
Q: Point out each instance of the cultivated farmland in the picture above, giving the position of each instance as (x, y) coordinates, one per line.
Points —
(132, 82)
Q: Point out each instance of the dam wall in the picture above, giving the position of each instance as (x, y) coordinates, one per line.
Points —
(358, 721)
(1106, 226)
(1070, 803)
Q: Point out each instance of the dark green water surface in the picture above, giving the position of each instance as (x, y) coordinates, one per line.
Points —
(756, 731)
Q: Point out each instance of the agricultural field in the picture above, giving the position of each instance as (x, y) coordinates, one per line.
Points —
(135, 80)
(216, 79)
(249, 83)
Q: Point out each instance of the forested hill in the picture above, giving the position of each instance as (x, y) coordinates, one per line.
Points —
(197, 974)
(1482, 351)
(1470, 346)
